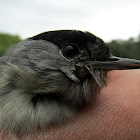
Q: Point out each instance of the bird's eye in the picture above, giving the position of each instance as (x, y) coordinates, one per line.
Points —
(70, 50)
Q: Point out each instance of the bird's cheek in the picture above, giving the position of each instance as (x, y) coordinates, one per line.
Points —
(69, 72)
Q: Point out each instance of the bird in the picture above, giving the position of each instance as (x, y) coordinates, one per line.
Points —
(47, 78)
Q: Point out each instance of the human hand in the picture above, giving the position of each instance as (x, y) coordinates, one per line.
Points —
(114, 116)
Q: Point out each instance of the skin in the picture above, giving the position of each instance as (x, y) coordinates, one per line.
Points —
(114, 116)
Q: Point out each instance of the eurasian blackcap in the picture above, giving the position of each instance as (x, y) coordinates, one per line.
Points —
(45, 79)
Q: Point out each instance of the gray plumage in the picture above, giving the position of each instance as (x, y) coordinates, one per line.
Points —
(39, 85)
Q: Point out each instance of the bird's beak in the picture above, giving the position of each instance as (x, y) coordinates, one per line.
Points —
(116, 63)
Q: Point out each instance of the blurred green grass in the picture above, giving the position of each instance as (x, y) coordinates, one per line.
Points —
(7, 40)
(123, 48)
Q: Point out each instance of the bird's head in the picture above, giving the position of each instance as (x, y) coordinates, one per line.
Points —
(67, 55)
(69, 65)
